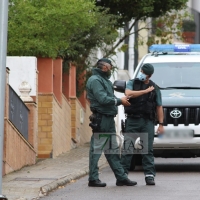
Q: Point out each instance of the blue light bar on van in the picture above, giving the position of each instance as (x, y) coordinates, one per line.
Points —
(174, 48)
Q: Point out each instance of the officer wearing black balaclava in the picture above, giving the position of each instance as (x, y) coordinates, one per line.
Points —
(103, 104)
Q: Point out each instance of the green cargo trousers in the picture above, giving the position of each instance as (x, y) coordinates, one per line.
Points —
(141, 125)
(107, 126)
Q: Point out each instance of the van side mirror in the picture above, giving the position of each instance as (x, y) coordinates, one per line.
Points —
(119, 86)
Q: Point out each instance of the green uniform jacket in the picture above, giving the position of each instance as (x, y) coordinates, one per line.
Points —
(101, 94)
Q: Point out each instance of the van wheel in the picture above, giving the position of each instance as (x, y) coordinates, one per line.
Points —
(136, 161)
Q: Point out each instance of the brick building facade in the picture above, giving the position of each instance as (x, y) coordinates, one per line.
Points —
(58, 120)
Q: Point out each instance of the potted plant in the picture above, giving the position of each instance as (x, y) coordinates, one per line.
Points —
(188, 27)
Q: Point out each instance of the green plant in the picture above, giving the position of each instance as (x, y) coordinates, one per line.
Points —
(134, 11)
(188, 26)
(167, 27)
(43, 28)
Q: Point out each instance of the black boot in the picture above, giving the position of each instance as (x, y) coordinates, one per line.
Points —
(150, 180)
(126, 182)
(96, 183)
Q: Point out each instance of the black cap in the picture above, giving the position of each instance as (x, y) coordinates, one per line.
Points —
(106, 60)
(148, 69)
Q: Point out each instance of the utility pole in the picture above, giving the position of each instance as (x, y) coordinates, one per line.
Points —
(136, 46)
(126, 53)
(3, 53)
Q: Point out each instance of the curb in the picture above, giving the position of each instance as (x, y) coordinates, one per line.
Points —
(44, 190)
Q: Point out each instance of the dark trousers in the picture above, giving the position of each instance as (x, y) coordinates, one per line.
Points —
(141, 125)
(107, 126)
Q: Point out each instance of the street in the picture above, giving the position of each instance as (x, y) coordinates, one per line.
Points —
(176, 179)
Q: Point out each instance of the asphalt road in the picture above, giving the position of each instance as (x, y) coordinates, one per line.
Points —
(176, 179)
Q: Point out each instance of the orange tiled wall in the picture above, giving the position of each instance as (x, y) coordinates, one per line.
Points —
(45, 121)
(83, 130)
(73, 102)
(54, 123)
(32, 125)
(61, 126)
(18, 152)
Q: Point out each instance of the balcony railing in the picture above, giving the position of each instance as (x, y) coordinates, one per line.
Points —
(18, 113)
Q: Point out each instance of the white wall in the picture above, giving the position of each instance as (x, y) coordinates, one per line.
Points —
(22, 69)
(189, 3)
(195, 4)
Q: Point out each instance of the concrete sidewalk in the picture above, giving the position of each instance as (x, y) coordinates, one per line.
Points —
(35, 181)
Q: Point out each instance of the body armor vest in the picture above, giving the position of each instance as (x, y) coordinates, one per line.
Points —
(144, 104)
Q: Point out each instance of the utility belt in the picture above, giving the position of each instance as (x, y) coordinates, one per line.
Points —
(137, 116)
(94, 111)
(95, 120)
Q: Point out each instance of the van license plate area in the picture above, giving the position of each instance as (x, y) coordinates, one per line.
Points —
(180, 134)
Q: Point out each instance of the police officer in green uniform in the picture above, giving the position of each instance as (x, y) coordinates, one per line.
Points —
(103, 104)
(146, 104)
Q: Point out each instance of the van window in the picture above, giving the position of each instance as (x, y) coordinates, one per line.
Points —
(176, 74)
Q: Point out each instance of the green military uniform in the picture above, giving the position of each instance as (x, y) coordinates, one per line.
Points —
(142, 125)
(102, 99)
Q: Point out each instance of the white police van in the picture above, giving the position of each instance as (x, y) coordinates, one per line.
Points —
(177, 73)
